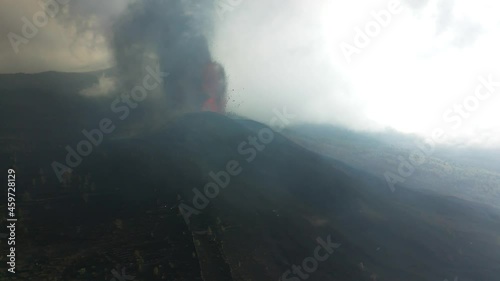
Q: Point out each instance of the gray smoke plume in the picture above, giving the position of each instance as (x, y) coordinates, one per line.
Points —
(169, 33)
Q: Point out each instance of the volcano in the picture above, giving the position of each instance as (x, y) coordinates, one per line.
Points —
(146, 208)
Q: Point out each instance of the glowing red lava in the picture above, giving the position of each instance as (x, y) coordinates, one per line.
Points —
(214, 86)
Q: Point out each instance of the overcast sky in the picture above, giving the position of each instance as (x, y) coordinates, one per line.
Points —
(423, 62)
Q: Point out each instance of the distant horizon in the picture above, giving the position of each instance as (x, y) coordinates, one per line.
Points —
(459, 143)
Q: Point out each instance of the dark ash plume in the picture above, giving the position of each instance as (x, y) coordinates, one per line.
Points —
(173, 34)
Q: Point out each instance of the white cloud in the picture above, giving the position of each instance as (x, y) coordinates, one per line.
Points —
(104, 86)
(422, 63)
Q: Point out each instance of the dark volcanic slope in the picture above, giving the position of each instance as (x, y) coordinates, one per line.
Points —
(287, 197)
(269, 217)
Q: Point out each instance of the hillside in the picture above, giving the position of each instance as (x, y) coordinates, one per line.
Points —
(121, 206)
